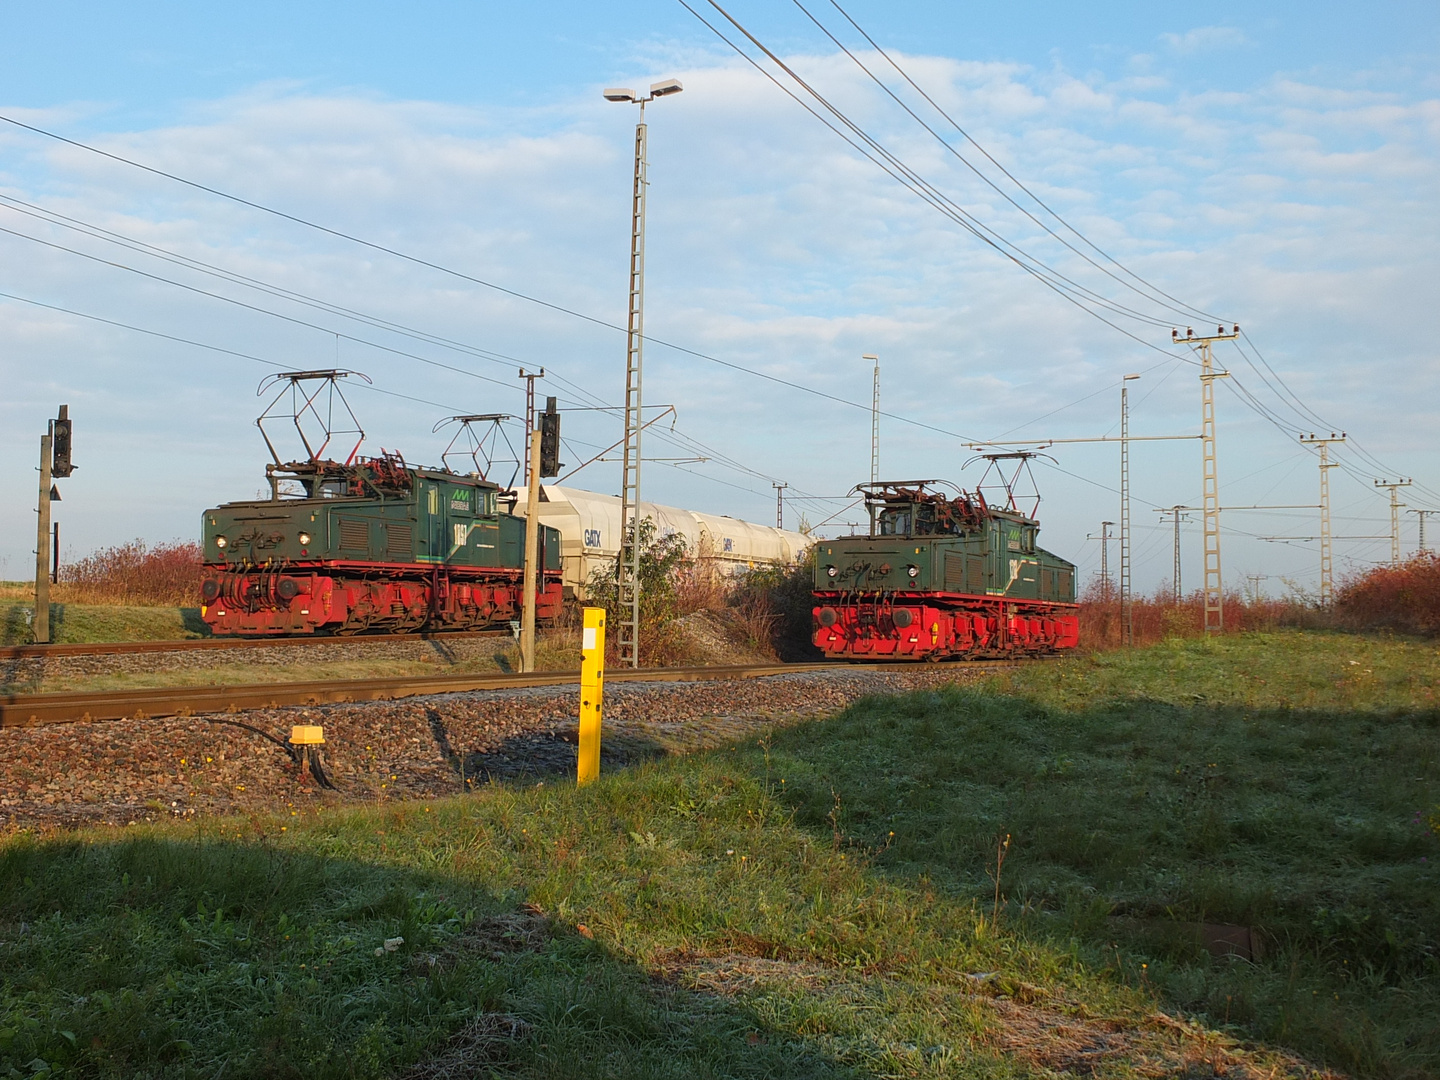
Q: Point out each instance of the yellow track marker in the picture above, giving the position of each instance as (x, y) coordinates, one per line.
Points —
(592, 693)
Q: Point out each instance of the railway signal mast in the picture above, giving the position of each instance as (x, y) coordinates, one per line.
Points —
(55, 463)
(628, 583)
(1210, 504)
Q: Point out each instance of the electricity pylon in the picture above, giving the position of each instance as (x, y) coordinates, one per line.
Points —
(1214, 597)
(1104, 539)
(1421, 514)
(1395, 507)
(1326, 577)
(1178, 513)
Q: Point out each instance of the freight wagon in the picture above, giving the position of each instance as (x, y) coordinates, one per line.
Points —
(591, 529)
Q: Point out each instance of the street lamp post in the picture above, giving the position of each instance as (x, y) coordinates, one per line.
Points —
(628, 570)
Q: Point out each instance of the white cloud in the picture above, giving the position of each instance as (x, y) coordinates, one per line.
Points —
(1206, 39)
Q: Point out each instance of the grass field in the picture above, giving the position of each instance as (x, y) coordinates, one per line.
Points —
(822, 905)
(97, 622)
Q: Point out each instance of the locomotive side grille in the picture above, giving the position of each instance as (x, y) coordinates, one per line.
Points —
(955, 570)
(1066, 585)
(1047, 582)
(975, 574)
(354, 534)
(399, 539)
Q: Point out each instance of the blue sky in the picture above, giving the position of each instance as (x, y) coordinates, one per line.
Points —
(1274, 163)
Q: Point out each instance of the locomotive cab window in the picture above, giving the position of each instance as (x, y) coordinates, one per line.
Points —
(330, 489)
(894, 522)
(1027, 540)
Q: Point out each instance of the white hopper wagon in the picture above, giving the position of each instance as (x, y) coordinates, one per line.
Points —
(591, 529)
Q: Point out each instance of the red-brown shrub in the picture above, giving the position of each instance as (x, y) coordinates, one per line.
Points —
(136, 573)
(1404, 597)
(1157, 617)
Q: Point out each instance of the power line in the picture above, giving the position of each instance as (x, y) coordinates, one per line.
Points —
(280, 292)
(418, 261)
(927, 192)
(1184, 311)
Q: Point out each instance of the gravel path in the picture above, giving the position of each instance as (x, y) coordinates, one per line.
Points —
(126, 771)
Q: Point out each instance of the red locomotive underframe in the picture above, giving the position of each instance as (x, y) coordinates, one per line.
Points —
(935, 625)
(349, 597)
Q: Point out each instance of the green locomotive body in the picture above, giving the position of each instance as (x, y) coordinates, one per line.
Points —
(941, 577)
(376, 544)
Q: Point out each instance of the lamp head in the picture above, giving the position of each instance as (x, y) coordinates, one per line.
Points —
(1127, 378)
(619, 94)
(665, 87)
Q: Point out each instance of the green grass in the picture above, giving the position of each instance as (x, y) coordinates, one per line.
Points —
(1285, 782)
(182, 951)
(100, 623)
(747, 912)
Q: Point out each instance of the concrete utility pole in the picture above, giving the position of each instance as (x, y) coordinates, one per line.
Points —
(532, 523)
(1214, 595)
(628, 585)
(874, 421)
(1421, 514)
(1327, 579)
(1104, 539)
(1395, 507)
(1177, 512)
(779, 503)
(1127, 620)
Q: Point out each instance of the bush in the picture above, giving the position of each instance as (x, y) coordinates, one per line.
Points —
(1404, 598)
(775, 604)
(663, 567)
(135, 573)
(769, 605)
(1157, 617)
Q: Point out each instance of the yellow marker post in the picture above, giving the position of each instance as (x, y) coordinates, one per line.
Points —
(592, 693)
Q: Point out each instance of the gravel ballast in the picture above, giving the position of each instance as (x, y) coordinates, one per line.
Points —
(126, 771)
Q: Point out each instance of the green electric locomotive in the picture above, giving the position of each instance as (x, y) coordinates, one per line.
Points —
(941, 576)
(373, 544)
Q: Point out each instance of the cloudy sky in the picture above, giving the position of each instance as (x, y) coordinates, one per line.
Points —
(1271, 164)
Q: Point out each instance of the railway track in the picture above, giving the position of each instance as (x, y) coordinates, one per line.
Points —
(113, 648)
(34, 710)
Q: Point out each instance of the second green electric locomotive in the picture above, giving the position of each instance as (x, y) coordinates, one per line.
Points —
(941, 576)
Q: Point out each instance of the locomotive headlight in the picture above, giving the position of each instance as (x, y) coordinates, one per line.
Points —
(221, 542)
(912, 570)
(304, 539)
(830, 571)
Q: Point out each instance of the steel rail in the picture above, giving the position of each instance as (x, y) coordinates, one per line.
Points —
(34, 710)
(112, 648)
